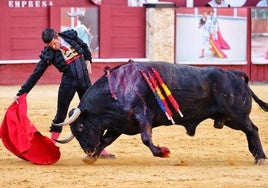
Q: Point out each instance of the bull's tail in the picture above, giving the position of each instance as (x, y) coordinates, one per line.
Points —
(260, 102)
(245, 77)
(241, 74)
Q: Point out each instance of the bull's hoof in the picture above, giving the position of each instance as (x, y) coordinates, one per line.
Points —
(89, 159)
(164, 151)
(218, 124)
(259, 161)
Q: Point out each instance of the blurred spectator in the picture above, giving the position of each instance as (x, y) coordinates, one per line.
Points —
(217, 3)
(88, 30)
(262, 3)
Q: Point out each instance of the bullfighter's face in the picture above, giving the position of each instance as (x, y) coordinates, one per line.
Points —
(55, 43)
(218, 2)
(87, 135)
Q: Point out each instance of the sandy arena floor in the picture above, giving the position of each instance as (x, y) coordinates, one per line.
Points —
(212, 158)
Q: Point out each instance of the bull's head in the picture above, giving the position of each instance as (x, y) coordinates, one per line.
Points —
(84, 130)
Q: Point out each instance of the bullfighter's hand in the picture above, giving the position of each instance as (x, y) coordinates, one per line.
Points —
(89, 68)
(16, 99)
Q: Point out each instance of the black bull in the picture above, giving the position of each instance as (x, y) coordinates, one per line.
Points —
(124, 101)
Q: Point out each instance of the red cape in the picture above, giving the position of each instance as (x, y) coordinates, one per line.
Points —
(21, 137)
(222, 43)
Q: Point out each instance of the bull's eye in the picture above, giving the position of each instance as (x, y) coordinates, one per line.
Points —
(80, 127)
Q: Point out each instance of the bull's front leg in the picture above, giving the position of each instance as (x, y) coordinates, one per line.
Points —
(146, 136)
(109, 137)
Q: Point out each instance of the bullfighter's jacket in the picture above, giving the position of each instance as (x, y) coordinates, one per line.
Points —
(49, 56)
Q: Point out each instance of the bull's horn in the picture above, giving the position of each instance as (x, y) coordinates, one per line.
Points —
(71, 119)
(66, 140)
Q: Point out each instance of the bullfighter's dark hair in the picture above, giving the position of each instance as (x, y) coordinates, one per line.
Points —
(48, 34)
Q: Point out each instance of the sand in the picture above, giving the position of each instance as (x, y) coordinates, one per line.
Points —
(212, 158)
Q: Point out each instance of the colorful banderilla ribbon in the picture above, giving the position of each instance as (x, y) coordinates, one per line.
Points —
(162, 97)
(167, 92)
(163, 106)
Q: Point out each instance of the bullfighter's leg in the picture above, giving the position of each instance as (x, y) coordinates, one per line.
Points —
(254, 143)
